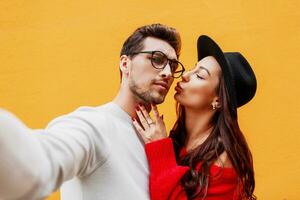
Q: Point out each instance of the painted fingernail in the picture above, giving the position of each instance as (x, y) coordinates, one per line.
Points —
(133, 119)
(137, 108)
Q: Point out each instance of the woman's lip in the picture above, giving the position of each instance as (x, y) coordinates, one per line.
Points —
(178, 84)
(178, 88)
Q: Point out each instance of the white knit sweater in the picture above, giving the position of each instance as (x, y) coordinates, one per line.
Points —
(94, 149)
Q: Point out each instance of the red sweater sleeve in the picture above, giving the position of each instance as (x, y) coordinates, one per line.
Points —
(165, 174)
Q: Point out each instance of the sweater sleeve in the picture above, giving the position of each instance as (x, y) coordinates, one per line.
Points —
(165, 174)
(34, 163)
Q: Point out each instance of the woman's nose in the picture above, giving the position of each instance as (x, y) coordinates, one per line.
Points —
(185, 77)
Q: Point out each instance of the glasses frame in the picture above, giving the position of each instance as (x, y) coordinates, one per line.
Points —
(180, 72)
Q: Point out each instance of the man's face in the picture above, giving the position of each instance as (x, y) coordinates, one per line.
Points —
(147, 83)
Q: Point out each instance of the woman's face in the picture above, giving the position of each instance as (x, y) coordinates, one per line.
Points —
(198, 88)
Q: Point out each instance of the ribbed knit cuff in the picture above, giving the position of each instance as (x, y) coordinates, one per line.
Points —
(161, 154)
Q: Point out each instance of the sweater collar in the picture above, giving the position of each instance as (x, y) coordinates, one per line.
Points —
(120, 112)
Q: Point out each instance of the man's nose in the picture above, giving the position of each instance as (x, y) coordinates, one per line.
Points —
(166, 72)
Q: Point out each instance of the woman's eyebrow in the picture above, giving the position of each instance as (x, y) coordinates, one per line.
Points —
(201, 67)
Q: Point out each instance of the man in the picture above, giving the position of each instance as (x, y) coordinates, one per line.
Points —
(94, 149)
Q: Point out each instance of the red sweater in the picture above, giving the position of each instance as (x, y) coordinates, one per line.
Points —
(165, 175)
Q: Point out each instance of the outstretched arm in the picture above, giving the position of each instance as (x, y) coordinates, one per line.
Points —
(34, 163)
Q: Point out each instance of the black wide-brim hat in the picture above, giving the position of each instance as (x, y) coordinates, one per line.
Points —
(238, 75)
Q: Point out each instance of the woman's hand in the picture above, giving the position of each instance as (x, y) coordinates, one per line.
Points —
(148, 129)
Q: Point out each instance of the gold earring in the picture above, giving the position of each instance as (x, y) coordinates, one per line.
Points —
(214, 106)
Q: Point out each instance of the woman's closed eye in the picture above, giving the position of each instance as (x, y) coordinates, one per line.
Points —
(200, 77)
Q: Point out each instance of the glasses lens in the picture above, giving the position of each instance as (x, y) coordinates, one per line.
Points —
(159, 60)
(177, 74)
(177, 69)
(175, 66)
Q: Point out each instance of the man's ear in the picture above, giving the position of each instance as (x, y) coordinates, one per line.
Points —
(124, 65)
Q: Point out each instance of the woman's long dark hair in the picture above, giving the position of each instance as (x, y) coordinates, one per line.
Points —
(225, 136)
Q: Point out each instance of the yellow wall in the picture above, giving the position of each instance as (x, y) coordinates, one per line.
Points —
(60, 54)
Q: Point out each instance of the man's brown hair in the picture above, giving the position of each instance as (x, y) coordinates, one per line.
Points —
(134, 43)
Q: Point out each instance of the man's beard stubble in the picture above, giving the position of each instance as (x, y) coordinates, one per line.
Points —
(145, 95)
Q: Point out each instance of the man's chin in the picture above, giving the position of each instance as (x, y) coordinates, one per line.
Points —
(158, 98)
(153, 96)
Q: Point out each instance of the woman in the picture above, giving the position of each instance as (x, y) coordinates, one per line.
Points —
(206, 155)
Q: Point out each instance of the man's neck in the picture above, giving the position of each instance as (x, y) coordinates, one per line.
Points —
(128, 102)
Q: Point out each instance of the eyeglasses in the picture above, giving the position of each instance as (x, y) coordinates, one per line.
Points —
(159, 60)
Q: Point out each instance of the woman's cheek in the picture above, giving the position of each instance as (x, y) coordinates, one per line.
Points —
(199, 96)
